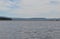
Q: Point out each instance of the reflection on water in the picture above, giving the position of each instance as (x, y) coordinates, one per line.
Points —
(29, 30)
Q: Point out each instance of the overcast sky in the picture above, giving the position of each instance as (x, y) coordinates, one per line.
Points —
(30, 8)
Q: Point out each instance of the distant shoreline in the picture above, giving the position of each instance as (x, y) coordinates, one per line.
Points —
(29, 19)
(5, 18)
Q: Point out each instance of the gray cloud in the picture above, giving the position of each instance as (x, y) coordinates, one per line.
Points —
(32, 8)
(55, 2)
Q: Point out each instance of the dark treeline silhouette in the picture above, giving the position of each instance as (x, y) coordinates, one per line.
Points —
(5, 18)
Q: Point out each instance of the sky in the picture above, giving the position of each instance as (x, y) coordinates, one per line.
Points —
(30, 8)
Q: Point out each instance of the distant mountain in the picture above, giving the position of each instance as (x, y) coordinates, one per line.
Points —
(30, 19)
(37, 19)
(5, 18)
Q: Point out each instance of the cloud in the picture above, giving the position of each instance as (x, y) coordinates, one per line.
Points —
(31, 8)
(8, 4)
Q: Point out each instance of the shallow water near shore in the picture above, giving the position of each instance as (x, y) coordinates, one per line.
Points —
(29, 29)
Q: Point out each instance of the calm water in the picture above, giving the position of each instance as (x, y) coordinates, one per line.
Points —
(29, 29)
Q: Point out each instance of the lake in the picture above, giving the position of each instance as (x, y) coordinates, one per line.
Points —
(29, 29)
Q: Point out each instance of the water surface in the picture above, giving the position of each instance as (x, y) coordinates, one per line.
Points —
(29, 29)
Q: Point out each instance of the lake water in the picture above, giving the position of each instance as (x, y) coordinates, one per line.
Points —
(29, 29)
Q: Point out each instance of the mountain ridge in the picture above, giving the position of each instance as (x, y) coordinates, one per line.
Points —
(30, 19)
